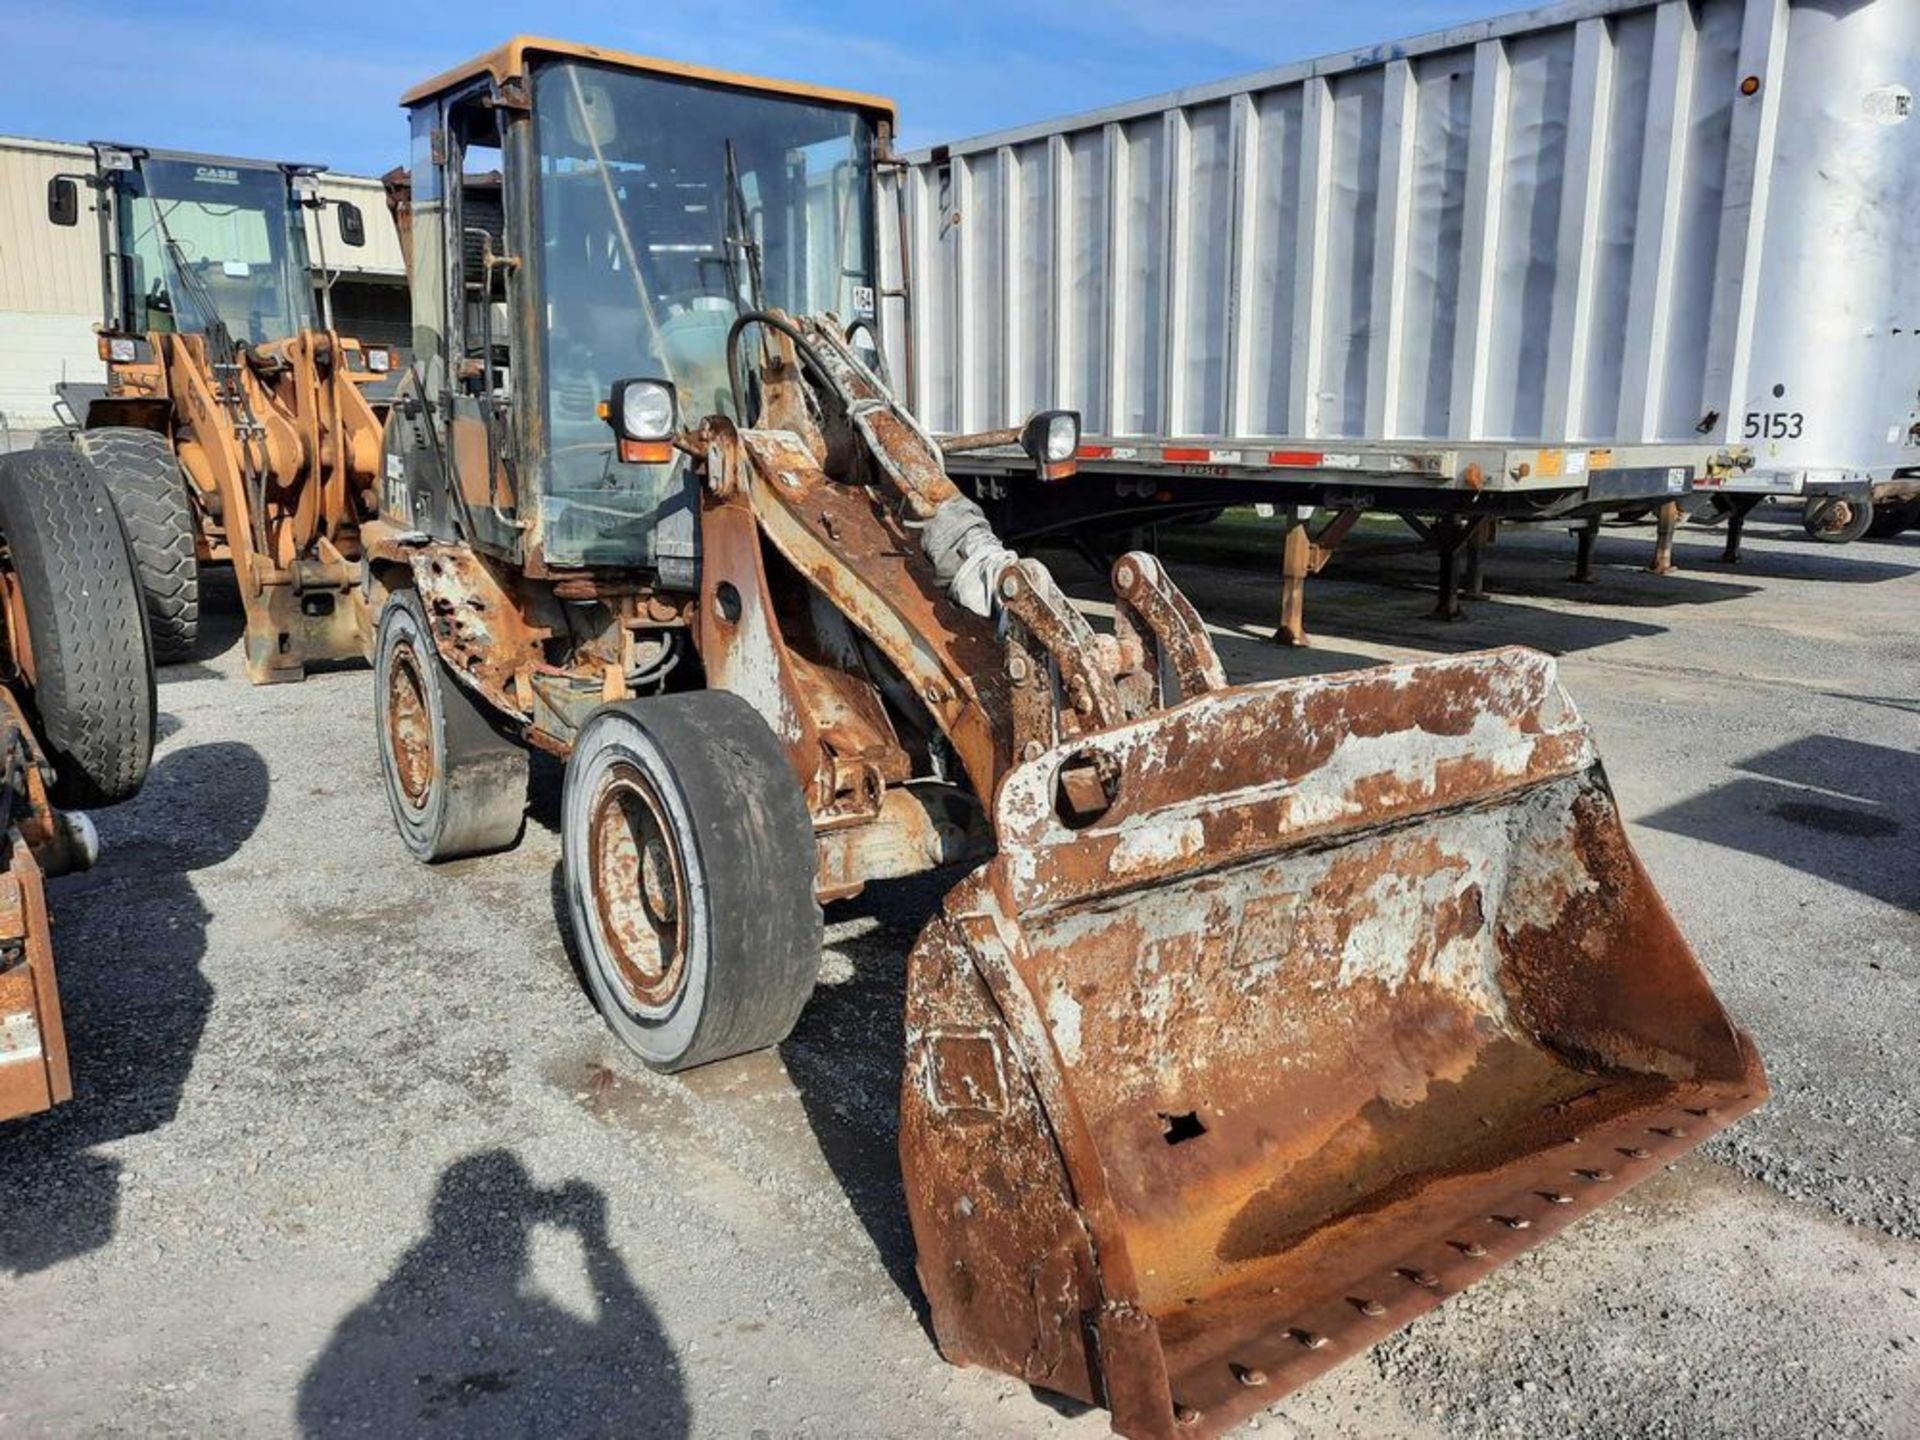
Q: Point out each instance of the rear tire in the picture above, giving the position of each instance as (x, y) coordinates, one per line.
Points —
(93, 692)
(456, 786)
(151, 495)
(690, 863)
(1837, 520)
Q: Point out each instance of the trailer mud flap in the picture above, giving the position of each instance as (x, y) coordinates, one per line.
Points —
(1280, 1016)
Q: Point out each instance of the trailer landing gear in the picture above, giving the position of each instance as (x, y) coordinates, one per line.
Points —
(1303, 553)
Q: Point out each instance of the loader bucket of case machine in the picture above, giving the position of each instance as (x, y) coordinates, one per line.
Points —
(1278, 1017)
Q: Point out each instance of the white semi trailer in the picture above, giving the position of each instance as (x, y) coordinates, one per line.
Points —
(1570, 259)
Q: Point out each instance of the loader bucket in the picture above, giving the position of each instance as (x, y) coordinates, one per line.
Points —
(1353, 991)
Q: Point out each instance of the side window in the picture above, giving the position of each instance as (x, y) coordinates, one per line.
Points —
(486, 327)
(427, 243)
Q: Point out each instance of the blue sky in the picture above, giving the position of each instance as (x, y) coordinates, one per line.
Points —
(318, 83)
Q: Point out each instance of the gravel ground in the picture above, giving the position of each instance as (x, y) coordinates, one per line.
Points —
(351, 1154)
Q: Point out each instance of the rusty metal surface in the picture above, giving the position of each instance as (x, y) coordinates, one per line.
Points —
(33, 841)
(33, 1041)
(1354, 991)
(1152, 614)
(854, 551)
(481, 623)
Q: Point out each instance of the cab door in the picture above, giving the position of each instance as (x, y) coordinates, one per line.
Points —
(482, 366)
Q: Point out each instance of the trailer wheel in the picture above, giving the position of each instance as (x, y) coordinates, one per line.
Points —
(689, 877)
(91, 665)
(1837, 520)
(456, 786)
(150, 493)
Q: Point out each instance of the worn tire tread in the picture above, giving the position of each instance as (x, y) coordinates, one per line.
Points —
(148, 490)
(93, 694)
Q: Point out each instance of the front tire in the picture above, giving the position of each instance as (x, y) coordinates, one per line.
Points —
(689, 859)
(92, 667)
(150, 493)
(455, 785)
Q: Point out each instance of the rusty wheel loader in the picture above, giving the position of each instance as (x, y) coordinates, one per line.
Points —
(235, 425)
(1265, 1016)
(76, 729)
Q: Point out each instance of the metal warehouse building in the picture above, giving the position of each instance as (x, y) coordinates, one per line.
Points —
(50, 279)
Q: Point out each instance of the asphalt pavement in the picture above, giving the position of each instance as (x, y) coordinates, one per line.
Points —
(350, 1152)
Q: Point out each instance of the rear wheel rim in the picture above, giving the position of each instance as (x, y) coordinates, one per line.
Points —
(639, 890)
(410, 727)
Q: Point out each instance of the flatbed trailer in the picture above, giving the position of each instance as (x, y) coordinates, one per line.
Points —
(1453, 496)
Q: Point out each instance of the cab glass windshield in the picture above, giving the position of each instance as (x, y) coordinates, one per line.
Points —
(666, 207)
(201, 237)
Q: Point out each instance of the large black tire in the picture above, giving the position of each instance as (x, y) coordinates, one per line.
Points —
(151, 494)
(690, 864)
(1837, 519)
(455, 785)
(93, 692)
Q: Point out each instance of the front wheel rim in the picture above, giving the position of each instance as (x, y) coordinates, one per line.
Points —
(410, 727)
(637, 889)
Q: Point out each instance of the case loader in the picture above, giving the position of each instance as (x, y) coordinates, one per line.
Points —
(1264, 1016)
(235, 424)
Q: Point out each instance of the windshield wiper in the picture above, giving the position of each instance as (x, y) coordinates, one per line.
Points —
(219, 338)
(739, 238)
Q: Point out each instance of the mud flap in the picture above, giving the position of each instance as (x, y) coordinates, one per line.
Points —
(1342, 992)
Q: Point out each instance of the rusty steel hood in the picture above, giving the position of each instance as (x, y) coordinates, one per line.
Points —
(1355, 991)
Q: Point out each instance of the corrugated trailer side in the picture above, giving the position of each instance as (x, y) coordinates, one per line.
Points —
(1606, 222)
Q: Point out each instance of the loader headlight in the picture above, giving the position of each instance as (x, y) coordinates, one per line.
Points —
(119, 349)
(644, 414)
(379, 361)
(1051, 439)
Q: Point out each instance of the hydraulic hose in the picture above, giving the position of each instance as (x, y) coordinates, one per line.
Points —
(787, 328)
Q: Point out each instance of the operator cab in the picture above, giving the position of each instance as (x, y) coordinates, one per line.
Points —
(197, 243)
(578, 218)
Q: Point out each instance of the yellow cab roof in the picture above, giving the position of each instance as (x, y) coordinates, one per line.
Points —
(509, 62)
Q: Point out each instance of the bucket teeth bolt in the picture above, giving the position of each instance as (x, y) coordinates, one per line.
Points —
(1594, 1174)
(1425, 1279)
(1635, 1152)
(1555, 1197)
(1472, 1249)
(1311, 1339)
(1372, 1309)
(1249, 1375)
(1515, 1222)
(1186, 1415)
